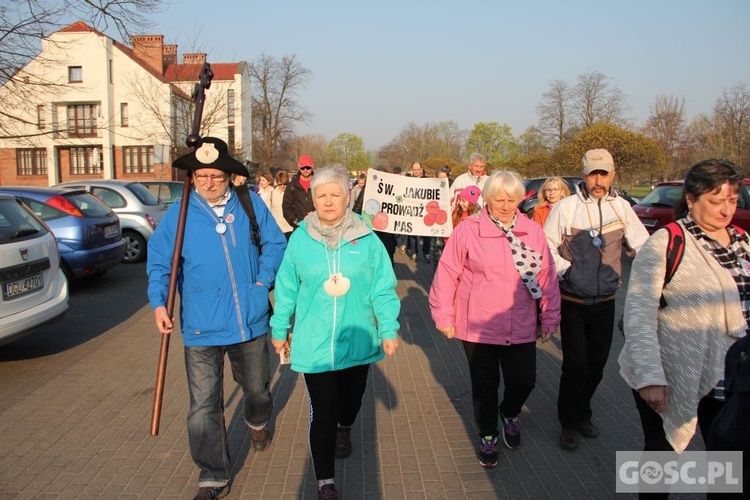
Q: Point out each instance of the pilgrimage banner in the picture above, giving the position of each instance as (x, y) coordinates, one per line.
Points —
(407, 205)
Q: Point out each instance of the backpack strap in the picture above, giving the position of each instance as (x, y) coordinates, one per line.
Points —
(244, 196)
(675, 251)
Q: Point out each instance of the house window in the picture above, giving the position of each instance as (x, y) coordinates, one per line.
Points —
(82, 120)
(31, 161)
(123, 114)
(75, 74)
(138, 159)
(230, 106)
(41, 122)
(230, 138)
(85, 161)
(111, 70)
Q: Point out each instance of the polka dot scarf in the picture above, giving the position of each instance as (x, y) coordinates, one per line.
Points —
(528, 262)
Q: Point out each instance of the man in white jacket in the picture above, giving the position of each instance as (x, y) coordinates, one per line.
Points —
(475, 176)
(586, 233)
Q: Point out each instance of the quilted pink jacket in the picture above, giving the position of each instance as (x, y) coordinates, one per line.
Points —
(478, 290)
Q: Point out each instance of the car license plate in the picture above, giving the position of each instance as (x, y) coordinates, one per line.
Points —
(16, 288)
(648, 222)
(110, 231)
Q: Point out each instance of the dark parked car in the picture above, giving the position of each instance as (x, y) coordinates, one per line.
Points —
(168, 192)
(87, 231)
(657, 208)
(532, 191)
(534, 185)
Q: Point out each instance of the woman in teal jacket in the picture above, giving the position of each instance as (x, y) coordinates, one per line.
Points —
(338, 281)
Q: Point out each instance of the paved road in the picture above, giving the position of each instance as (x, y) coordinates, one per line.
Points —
(76, 406)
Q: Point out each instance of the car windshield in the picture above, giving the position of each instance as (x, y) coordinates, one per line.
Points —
(663, 196)
(16, 222)
(88, 205)
(143, 194)
(532, 185)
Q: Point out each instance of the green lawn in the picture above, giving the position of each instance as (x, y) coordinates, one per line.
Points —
(637, 191)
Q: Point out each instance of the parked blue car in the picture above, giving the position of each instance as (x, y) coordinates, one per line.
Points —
(87, 231)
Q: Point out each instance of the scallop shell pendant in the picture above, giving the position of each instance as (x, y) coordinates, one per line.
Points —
(336, 285)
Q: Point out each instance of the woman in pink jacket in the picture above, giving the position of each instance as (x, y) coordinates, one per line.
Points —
(495, 277)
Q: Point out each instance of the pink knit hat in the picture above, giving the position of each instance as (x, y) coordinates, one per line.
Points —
(470, 194)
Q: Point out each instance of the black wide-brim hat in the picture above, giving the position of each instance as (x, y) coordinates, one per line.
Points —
(212, 153)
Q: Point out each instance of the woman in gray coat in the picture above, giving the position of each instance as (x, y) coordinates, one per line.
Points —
(673, 357)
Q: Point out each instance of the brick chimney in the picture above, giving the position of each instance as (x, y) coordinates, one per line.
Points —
(149, 49)
(199, 58)
(169, 55)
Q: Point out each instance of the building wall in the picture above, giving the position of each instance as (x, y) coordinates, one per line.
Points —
(244, 124)
(215, 111)
(110, 77)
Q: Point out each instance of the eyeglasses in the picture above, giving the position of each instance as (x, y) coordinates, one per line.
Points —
(213, 177)
(306, 168)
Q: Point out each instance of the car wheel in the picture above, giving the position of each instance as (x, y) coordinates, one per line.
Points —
(135, 247)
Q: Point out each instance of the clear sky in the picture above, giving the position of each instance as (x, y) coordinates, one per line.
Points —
(378, 65)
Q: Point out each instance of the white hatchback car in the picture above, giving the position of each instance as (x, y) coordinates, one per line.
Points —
(34, 288)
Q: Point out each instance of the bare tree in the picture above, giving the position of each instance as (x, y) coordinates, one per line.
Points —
(420, 142)
(531, 142)
(731, 115)
(24, 23)
(595, 100)
(725, 132)
(275, 109)
(314, 145)
(168, 112)
(163, 114)
(666, 126)
(553, 112)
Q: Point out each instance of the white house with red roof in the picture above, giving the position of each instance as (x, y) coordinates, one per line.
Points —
(90, 107)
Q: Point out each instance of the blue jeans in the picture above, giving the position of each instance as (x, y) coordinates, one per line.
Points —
(207, 431)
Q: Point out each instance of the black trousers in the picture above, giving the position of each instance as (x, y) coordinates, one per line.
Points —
(412, 244)
(335, 398)
(586, 335)
(518, 365)
(389, 242)
(654, 437)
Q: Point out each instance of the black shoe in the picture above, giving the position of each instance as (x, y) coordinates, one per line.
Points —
(587, 429)
(211, 492)
(569, 439)
(327, 492)
(343, 442)
(511, 432)
(488, 451)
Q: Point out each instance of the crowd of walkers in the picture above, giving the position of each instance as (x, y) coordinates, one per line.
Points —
(502, 283)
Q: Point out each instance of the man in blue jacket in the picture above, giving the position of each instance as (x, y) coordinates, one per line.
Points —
(224, 281)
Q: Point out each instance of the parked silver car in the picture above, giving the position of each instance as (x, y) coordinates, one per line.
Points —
(34, 288)
(168, 192)
(138, 208)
